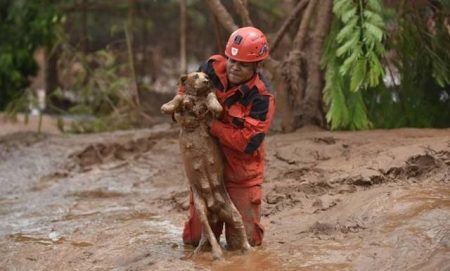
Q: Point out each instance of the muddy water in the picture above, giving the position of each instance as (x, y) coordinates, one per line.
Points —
(405, 228)
(127, 213)
(411, 231)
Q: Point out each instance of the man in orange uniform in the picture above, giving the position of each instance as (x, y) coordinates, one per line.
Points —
(248, 111)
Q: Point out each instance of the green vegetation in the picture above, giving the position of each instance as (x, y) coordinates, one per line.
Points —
(105, 70)
(24, 26)
(419, 60)
(353, 62)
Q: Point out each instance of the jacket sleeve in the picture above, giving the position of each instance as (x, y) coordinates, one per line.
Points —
(247, 134)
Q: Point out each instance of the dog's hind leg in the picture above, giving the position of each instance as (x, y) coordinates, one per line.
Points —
(203, 241)
(236, 234)
(207, 231)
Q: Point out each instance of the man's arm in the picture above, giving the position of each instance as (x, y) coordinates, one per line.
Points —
(248, 133)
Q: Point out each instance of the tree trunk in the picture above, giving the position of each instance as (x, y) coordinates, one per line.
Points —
(183, 20)
(218, 34)
(312, 104)
(143, 71)
(294, 75)
(84, 32)
(51, 77)
(131, 52)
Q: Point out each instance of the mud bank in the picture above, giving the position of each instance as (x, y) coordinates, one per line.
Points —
(373, 200)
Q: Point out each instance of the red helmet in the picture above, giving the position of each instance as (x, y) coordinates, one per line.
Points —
(247, 44)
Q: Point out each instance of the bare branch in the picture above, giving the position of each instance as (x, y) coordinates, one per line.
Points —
(222, 15)
(241, 8)
(299, 40)
(295, 13)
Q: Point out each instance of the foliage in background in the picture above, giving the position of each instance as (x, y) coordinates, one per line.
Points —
(24, 26)
(421, 60)
(24, 103)
(352, 60)
(101, 95)
(355, 97)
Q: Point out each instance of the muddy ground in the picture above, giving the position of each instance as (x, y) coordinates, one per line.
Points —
(371, 200)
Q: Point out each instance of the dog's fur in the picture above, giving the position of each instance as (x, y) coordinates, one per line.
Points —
(203, 163)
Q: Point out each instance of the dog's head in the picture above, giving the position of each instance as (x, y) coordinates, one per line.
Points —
(196, 84)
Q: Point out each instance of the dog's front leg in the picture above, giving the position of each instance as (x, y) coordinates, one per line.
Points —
(213, 105)
(172, 105)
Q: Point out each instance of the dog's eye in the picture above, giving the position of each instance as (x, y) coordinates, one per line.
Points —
(196, 76)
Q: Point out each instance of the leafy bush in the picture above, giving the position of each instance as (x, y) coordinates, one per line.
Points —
(352, 61)
(24, 26)
(101, 94)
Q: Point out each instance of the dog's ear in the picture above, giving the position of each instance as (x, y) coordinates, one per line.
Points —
(183, 79)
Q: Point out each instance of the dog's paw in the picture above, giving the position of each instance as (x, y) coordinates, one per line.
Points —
(168, 108)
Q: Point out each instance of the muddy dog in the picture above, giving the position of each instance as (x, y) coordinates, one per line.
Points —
(203, 162)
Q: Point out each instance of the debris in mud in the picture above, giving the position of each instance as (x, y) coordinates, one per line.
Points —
(95, 194)
(420, 164)
(320, 156)
(414, 167)
(54, 236)
(117, 150)
(100, 153)
(280, 157)
(180, 200)
(329, 140)
(19, 237)
(52, 239)
(296, 173)
(291, 195)
(48, 180)
(324, 203)
(445, 241)
(274, 198)
(15, 141)
(350, 227)
(321, 228)
(277, 202)
(365, 181)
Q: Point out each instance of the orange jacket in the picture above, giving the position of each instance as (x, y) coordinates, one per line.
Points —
(248, 113)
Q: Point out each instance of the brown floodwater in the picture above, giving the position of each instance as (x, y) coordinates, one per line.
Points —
(414, 224)
(130, 216)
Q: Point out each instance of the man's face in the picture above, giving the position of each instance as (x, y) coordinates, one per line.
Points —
(240, 72)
